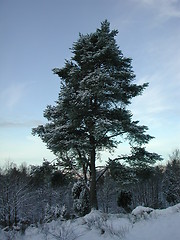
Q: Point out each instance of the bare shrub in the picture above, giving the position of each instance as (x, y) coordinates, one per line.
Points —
(109, 229)
(101, 222)
(64, 231)
(9, 235)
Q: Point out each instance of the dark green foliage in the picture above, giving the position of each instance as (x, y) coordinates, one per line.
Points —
(42, 174)
(144, 173)
(121, 173)
(140, 158)
(48, 174)
(58, 179)
(125, 200)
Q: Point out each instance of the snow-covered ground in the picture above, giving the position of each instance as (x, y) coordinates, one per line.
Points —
(142, 224)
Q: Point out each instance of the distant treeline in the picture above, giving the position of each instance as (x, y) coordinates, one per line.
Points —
(36, 194)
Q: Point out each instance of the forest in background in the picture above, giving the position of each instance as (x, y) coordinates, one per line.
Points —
(39, 194)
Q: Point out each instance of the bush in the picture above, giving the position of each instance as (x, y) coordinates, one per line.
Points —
(81, 199)
(125, 200)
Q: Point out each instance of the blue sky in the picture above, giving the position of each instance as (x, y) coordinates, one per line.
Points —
(35, 38)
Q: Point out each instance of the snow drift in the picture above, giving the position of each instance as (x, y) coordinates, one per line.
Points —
(142, 224)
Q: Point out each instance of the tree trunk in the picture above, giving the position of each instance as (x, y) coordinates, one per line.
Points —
(93, 193)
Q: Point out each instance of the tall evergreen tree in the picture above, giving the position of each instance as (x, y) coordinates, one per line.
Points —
(90, 115)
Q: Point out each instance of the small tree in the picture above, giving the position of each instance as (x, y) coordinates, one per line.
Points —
(81, 198)
(91, 115)
(175, 156)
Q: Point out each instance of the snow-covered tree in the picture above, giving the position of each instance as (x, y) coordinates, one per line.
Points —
(81, 198)
(171, 182)
(14, 196)
(54, 212)
(175, 156)
(91, 115)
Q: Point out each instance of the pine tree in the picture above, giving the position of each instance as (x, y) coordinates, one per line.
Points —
(97, 85)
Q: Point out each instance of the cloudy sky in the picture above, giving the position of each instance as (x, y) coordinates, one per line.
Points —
(35, 38)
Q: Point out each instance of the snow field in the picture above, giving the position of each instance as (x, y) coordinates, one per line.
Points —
(142, 224)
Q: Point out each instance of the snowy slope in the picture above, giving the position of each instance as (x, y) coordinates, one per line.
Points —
(142, 224)
(160, 225)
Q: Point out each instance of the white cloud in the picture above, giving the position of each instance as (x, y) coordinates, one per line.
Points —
(19, 124)
(165, 8)
(12, 95)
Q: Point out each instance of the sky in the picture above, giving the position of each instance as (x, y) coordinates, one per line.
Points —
(36, 36)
